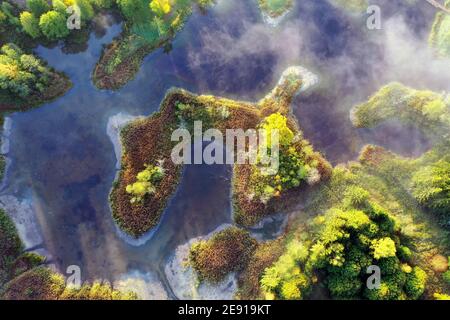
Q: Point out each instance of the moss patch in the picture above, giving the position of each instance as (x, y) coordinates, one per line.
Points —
(227, 251)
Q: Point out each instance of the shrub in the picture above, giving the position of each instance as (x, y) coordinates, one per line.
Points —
(276, 122)
(285, 279)
(383, 248)
(350, 238)
(356, 196)
(145, 183)
(21, 75)
(404, 253)
(59, 6)
(446, 277)
(133, 10)
(103, 4)
(415, 283)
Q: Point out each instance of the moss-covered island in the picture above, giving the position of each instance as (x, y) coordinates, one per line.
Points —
(383, 210)
(440, 33)
(149, 177)
(226, 251)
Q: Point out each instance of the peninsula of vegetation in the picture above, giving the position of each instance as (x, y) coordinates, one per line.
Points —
(148, 26)
(149, 177)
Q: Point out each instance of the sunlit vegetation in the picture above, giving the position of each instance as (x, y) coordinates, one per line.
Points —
(428, 110)
(428, 178)
(294, 165)
(151, 24)
(344, 243)
(25, 80)
(275, 8)
(440, 33)
(146, 183)
(47, 21)
(440, 296)
(226, 251)
(285, 277)
(378, 211)
(431, 188)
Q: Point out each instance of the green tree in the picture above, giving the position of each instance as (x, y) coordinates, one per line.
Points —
(38, 7)
(103, 4)
(431, 187)
(54, 25)
(285, 279)
(160, 7)
(59, 6)
(86, 10)
(30, 24)
(133, 10)
(21, 74)
(276, 122)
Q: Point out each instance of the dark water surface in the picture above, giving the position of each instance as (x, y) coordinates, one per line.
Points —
(64, 161)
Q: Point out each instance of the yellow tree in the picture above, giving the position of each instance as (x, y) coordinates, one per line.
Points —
(160, 7)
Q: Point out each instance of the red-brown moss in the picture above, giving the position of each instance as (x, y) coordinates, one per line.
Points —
(227, 251)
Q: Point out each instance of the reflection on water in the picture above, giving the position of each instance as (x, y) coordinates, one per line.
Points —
(63, 159)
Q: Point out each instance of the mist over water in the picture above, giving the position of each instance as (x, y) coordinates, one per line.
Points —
(63, 160)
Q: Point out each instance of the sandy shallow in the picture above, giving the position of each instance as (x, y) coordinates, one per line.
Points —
(184, 281)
